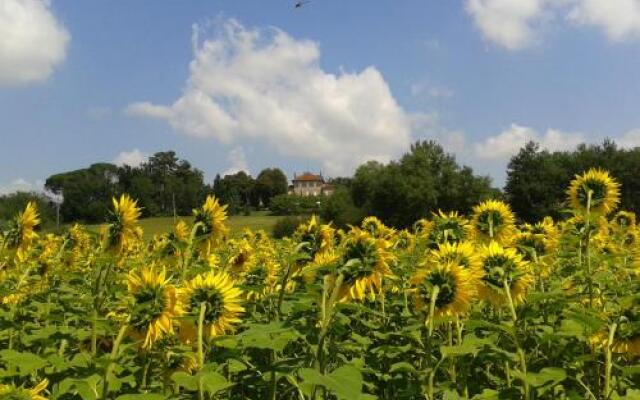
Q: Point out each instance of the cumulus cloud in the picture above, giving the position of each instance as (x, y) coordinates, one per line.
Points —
(32, 41)
(21, 185)
(268, 86)
(132, 158)
(507, 143)
(238, 162)
(516, 24)
(620, 19)
(509, 23)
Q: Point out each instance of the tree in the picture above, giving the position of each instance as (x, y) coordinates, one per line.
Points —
(234, 190)
(339, 209)
(537, 179)
(14, 203)
(269, 183)
(424, 180)
(87, 192)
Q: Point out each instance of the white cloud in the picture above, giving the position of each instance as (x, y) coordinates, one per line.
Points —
(516, 24)
(507, 143)
(32, 41)
(630, 139)
(268, 86)
(509, 23)
(21, 185)
(132, 158)
(238, 161)
(620, 19)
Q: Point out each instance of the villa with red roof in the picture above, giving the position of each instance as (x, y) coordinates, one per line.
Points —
(308, 184)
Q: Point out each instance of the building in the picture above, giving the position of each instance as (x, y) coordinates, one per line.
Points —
(309, 184)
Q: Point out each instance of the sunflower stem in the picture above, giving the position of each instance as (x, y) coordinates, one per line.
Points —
(521, 354)
(608, 363)
(324, 325)
(432, 308)
(203, 309)
(112, 360)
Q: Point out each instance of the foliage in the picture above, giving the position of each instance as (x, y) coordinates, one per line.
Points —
(286, 226)
(292, 204)
(536, 178)
(422, 181)
(11, 204)
(87, 192)
(339, 209)
(269, 183)
(472, 307)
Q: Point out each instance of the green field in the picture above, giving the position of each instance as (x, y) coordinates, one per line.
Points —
(236, 223)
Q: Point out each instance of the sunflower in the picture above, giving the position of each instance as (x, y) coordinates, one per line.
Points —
(624, 220)
(536, 248)
(492, 220)
(222, 301)
(211, 219)
(596, 185)
(365, 262)
(123, 229)
(456, 288)
(463, 254)
(446, 228)
(626, 339)
(322, 262)
(22, 229)
(261, 278)
(502, 265)
(242, 257)
(314, 237)
(11, 392)
(154, 305)
(404, 240)
(375, 227)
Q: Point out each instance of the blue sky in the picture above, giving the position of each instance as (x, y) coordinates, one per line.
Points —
(235, 85)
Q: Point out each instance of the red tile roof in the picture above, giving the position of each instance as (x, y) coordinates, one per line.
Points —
(308, 177)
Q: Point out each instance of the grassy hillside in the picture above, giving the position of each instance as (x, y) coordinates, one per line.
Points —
(236, 223)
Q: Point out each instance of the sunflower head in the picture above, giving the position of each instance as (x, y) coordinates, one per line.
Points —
(375, 227)
(123, 229)
(463, 254)
(492, 220)
(626, 339)
(11, 392)
(453, 286)
(594, 189)
(221, 301)
(447, 228)
(404, 240)
(365, 262)
(153, 305)
(315, 237)
(211, 221)
(241, 258)
(503, 267)
(22, 231)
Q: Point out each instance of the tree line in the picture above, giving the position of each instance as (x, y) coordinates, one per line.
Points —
(424, 180)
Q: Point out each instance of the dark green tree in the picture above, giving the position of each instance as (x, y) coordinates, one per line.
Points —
(537, 179)
(269, 183)
(424, 180)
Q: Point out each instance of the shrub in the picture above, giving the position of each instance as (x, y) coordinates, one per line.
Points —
(286, 226)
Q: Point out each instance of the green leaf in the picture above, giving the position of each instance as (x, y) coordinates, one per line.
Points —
(273, 336)
(212, 382)
(345, 382)
(146, 396)
(546, 376)
(25, 363)
(185, 380)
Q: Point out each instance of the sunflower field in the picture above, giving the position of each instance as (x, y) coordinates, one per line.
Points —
(459, 307)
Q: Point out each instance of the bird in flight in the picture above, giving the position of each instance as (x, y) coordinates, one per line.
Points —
(301, 3)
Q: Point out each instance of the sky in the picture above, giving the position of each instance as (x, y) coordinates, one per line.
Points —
(246, 84)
